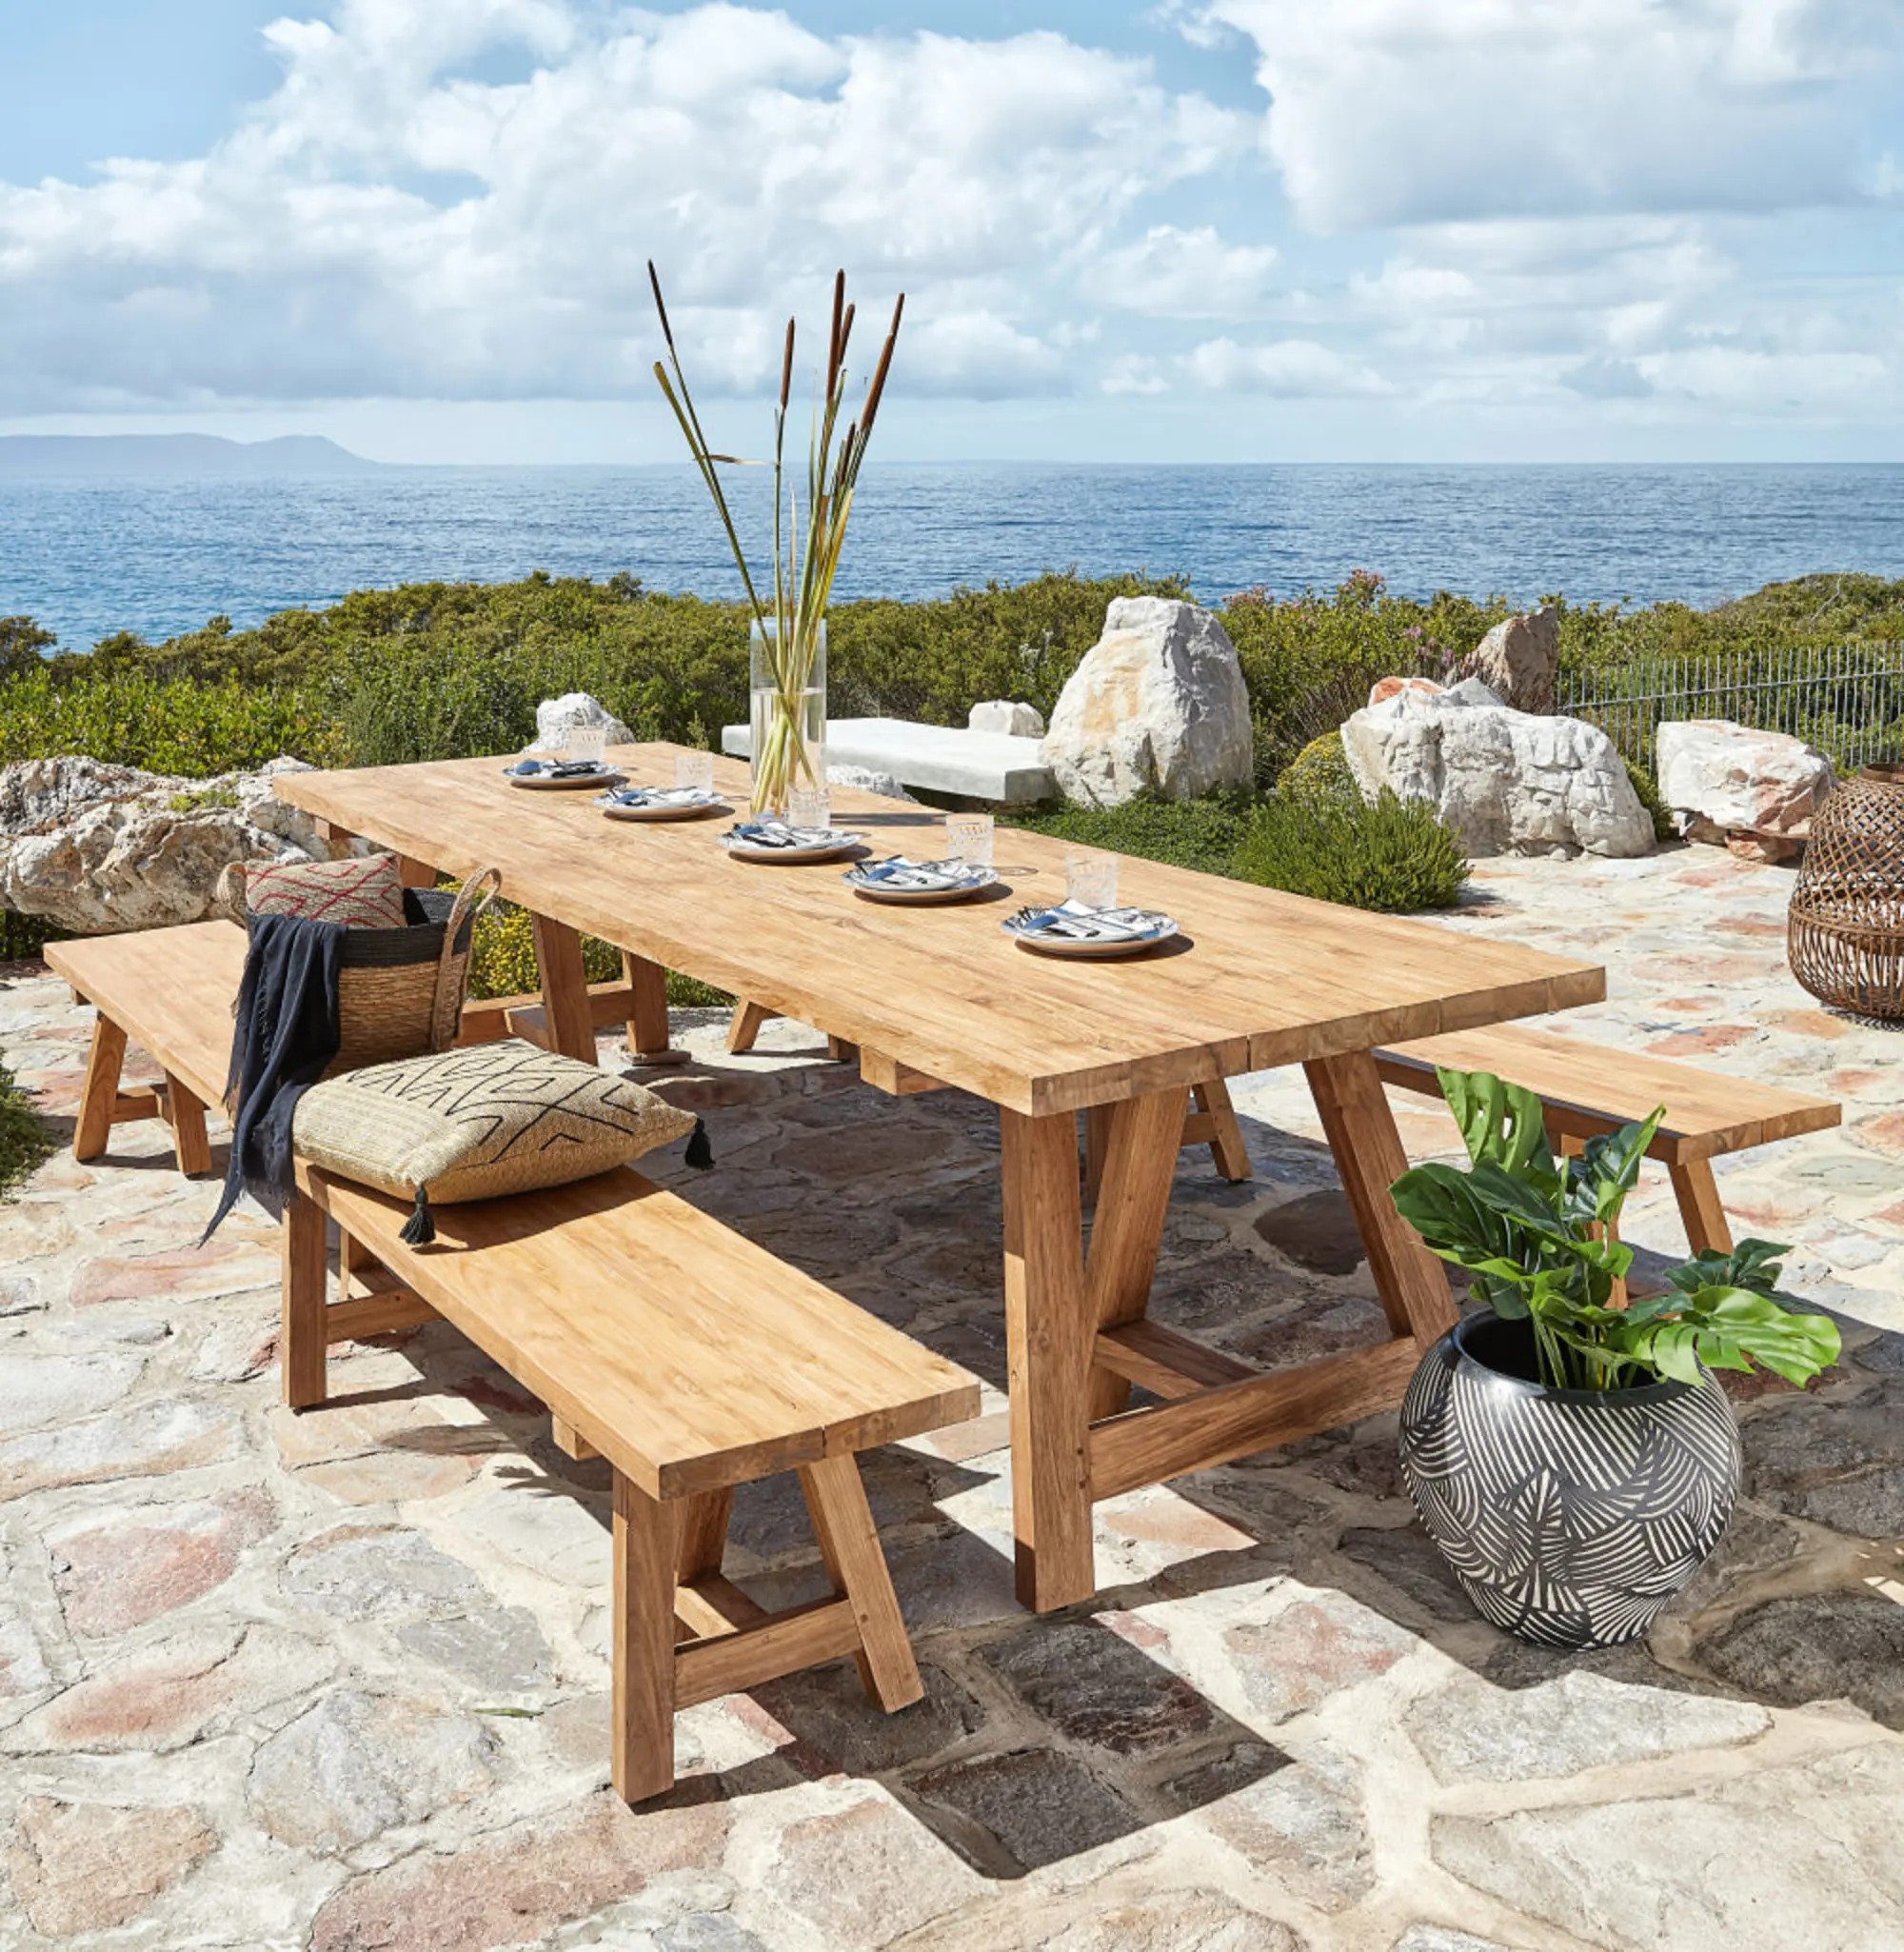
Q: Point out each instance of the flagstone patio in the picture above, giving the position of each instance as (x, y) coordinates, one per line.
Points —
(339, 1681)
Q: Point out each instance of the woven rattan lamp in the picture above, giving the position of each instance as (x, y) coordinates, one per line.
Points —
(1846, 930)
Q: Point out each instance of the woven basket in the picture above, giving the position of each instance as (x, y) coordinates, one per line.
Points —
(1845, 933)
(399, 990)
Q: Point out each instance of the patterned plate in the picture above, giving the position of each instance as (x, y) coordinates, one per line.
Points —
(661, 803)
(772, 840)
(599, 774)
(920, 882)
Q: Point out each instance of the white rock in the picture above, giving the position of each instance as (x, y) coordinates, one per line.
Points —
(1520, 658)
(1506, 781)
(1019, 721)
(1740, 779)
(862, 778)
(97, 848)
(557, 717)
(1158, 703)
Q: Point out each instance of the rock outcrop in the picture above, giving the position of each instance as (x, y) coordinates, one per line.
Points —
(95, 849)
(1158, 703)
(1519, 659)
(1506, 781)
(1752, 791)
(1012, 717)
(557, 717)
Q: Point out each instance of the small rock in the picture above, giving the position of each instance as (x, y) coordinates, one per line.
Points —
(1015, 720)
(864, 779)
(1157, 705)
(557, 717)
(89, 1866)
(358, 1764)
(1385, 689)
(1519, 659)
(1095, 1687)
(142, 1560)
(1040, 1805)
(1735, 781)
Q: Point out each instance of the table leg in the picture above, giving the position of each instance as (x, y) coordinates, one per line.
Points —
(641, 1731)
(1413, 1285)
(648, 1016)
(566, 1016)
(1048, 1337)
(105, 1060)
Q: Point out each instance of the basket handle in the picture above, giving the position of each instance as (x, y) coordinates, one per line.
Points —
(229, 892)
(472, 898)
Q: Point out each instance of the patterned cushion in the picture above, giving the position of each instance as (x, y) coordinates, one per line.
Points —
(477, 1124)
(361, 892)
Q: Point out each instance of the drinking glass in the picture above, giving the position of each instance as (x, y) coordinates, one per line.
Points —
(968, 838)
(809, 807)
(694, 769)
(586, 743)
(1090, 878)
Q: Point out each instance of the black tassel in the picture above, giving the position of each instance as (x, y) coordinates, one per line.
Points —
(700, 1154)
(420, 1228)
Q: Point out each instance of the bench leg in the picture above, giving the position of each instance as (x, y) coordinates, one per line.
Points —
(105, 1060)
(185, 1113)
(843, 1521)
(647, 1015)
(302, 1340)
(641, 1738)
(1707, 1228)
(746, 1026)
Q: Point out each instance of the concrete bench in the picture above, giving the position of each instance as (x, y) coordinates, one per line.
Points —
(693, 1361)
(942, 759)
(1588, 1089)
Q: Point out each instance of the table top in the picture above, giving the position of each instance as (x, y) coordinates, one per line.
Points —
(1257, 979)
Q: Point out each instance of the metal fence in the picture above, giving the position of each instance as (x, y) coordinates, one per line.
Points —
(1846, 699)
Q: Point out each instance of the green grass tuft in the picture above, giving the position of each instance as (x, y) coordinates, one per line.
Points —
(1393, 856)
(25, 1140)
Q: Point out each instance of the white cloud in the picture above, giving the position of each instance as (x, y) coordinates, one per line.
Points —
(1173, 273)
(1399, 111)
(1291, 369)
(1133, 372)
(384, 224)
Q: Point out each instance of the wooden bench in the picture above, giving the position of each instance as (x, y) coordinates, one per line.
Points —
(1589, 1087)
(169, 991)
(691, 1359)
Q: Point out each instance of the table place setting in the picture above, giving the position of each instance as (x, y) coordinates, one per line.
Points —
(661, 802)
(779, 840)
(899, 879)
(560, 775)
(1071, 928)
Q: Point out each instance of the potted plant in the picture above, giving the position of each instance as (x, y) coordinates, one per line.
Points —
(1568, 1449)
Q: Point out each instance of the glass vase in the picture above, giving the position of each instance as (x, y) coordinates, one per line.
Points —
(786, 714)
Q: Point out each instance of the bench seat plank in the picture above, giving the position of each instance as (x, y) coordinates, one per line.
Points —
(168, 989)
(687, 1356)
(1594, 1087)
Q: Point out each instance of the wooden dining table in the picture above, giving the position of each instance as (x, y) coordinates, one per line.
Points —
(940, 997)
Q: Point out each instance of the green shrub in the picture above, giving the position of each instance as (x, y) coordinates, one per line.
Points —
(21, 937)
(1664, 826)
(1319, 771)
(1186, 833)
(24, 1138)
(1393, 856)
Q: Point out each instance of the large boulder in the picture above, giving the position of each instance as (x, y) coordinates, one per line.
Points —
(1519, 659)
(1753, 792)
(557, 717)
(1506, 781)
(1158, 703)
(95, 849)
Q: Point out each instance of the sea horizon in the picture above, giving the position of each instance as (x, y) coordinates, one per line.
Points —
(157, 554)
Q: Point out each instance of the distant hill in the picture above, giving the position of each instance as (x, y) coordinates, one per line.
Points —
(123, 454)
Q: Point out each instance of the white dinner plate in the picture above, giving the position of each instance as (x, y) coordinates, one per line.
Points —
(809, 844)
(664, 803)
(1156, 928)
(603, 774)
(922, 882)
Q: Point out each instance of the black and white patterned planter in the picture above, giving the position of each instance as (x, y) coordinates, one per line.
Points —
(1571, 1516)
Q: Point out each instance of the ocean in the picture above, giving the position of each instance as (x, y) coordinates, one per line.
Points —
(160, 556)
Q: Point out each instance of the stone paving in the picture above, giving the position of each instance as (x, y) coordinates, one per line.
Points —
(339, 1681)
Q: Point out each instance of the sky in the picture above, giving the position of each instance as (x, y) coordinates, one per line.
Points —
(1189, 230)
